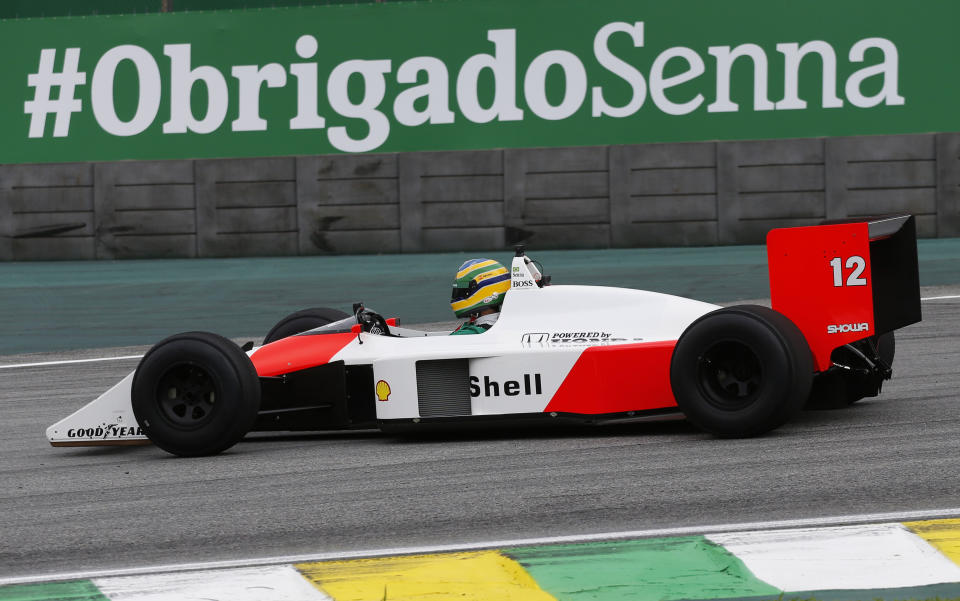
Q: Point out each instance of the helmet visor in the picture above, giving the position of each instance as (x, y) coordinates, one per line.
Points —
(462, 293)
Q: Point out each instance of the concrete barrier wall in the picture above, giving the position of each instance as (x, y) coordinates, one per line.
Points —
(702, 193)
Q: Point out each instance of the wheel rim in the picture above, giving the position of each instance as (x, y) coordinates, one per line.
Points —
(187, 395)
(730, 375)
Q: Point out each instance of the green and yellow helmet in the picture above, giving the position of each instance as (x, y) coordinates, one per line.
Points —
(479, 284)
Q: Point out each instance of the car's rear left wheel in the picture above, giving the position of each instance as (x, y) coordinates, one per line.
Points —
(303, 320)
(858, 385)
(854, 375)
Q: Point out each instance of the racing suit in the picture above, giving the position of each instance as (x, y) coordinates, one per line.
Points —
(478, 325)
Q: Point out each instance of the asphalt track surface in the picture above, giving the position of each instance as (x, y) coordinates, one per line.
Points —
(64, 510)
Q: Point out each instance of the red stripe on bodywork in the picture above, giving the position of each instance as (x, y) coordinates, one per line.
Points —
(298, 352)
(614, 379)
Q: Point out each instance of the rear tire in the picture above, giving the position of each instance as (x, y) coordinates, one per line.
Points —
(303, 320)
(195, 394)
(741, 371)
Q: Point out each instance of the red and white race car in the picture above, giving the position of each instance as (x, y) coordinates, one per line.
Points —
(588, 353)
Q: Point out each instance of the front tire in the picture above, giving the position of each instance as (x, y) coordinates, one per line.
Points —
(195, 394)
(741, 371)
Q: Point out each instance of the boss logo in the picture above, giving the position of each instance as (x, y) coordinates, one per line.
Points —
(843, 328)
(522, 283)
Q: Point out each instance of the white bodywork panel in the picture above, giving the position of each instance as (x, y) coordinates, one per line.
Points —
(540, 334)
(537, 376)
(106, 420)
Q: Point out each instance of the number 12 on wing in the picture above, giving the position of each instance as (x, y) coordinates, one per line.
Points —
(854, 263)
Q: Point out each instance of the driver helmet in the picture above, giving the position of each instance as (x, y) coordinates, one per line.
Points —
(479, 284)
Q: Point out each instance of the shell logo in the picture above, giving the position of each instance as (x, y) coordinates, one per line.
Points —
(383, 391)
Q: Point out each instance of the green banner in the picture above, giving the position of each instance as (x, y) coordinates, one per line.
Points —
(451, 75)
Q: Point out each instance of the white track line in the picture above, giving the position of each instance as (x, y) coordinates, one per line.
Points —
(125, 357)
(868, 518)
(69, 362)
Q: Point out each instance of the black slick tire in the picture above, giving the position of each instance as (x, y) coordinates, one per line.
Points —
(195, 394)
(741, 371)
(301, 321)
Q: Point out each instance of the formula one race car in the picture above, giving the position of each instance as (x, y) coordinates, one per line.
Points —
(586, 353)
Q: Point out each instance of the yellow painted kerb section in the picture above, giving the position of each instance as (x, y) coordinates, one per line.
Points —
(473, 576)
(942, 534)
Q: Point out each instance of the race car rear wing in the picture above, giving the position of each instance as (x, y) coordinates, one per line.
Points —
(843, 281)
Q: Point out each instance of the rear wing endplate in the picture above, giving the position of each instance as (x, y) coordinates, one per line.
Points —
(843, 281)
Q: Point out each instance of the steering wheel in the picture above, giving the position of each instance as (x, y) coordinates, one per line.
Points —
(372, 322)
